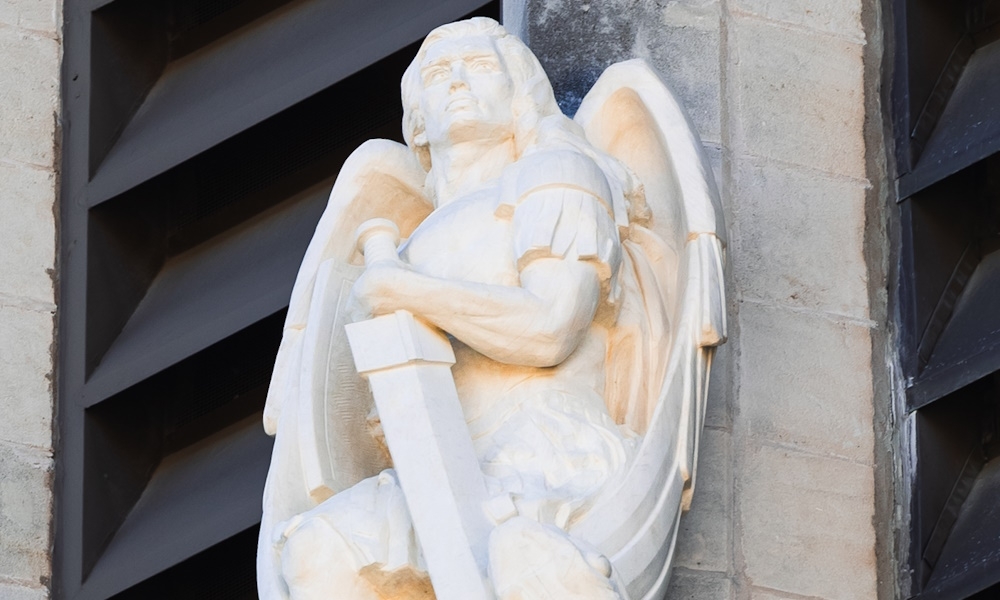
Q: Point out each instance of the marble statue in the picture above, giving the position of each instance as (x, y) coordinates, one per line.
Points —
(507, 404)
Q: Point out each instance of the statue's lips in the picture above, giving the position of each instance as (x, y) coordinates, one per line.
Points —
(462, 102)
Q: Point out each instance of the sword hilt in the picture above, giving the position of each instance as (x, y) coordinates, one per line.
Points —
(377, 239)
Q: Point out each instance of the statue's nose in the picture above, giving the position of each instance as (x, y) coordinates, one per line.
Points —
(458, 77)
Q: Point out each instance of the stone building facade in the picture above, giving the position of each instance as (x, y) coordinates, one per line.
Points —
(795, 495)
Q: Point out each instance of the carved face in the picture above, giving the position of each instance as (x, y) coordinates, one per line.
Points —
(467, 92)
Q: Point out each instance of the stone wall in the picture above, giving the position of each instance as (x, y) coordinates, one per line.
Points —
(785, 502)
(30, 54)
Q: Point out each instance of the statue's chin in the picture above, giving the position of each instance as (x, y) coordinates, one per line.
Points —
(469, 126)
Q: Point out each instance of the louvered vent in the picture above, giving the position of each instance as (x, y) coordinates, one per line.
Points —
(946, 116)
(201, 141)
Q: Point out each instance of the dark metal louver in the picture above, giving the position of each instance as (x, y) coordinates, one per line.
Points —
(946, 116)
(201, 141)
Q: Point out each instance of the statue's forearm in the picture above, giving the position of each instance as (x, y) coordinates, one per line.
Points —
(539, 323)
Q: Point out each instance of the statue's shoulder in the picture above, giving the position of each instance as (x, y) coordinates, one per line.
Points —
(561, 205)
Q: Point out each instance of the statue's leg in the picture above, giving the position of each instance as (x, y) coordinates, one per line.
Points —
(531, 561)
(317, 564)
(358, 545)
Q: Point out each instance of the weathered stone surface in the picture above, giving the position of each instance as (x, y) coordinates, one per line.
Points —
(764, 594)
(681, 40)
(714, 153)
(801, 238)
(839, 17)
(27, 195)
(10, 591)
(696, 585)
(36, 15)
(807, 524)
(26, 372)
(720, 387)
(609, 28)
(704, 539)
(29, 96)
(797, 98)
(25, 513)
(805, 381)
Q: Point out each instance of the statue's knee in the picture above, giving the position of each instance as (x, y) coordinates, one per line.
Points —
(530, 561)
(309, 550)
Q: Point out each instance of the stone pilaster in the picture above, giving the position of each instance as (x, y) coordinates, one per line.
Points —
(30, 54)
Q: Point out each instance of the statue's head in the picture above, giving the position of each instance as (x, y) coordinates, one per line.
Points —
(473, 79)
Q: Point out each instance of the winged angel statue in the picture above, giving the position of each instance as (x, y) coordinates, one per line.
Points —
(575, 267)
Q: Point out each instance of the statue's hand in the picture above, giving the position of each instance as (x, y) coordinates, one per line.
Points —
(380, 290)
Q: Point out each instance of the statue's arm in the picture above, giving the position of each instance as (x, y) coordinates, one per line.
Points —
(538, 323)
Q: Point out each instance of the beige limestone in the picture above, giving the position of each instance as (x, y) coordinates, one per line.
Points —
(29, 83)
(805, 382)
(26, 373)
(798, 97)
(41, 16)
(29, 105)
(801, 238)
(19, 591)
(757, 593)
(25, 512)
(815, 537)
(840, 17)
(28, 233)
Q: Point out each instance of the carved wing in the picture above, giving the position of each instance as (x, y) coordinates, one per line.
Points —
(676, 259)
(317, 404)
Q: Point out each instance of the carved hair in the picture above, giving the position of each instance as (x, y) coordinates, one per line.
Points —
(533, 99)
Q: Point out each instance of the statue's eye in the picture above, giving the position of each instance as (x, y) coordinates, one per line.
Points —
(435, 75)
(484, 66)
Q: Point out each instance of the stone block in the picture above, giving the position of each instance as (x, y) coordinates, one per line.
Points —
(26, 338)
(801, 236)
(35, 15)
(764, 594)
(25, 513)
(27, 198)
(554, 30)
(720, 385)
(713, 152)
(29, 96)
(807, 523)
(805, 382)
(683, 42)
(9, 591)
(695, 585)
(704, 540)
(797, 97)
(838, 17)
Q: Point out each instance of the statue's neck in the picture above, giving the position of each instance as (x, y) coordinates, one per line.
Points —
(461, 168)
